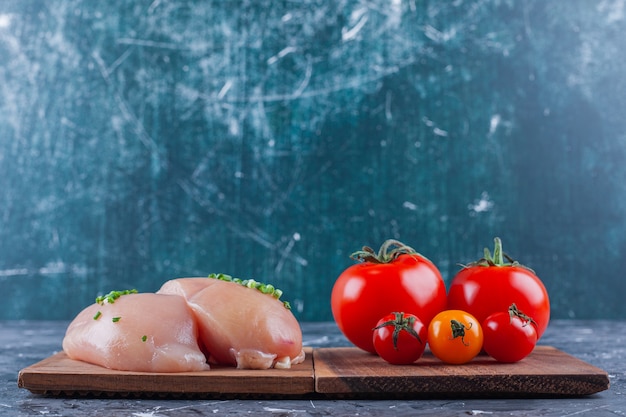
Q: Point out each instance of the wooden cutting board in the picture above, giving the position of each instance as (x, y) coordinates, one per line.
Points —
(331, 373)
(60, 375)
(547, 371)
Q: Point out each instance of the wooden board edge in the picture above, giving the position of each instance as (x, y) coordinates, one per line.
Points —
(40, 380)
(90, 380)
(587, 381)
(355, 388)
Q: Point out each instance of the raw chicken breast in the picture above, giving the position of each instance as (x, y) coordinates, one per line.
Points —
(137, 332)
(185, 287)
(241, 326)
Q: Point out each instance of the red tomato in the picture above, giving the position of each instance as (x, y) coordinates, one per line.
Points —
(399, 279)
(490, 285)
(509, 336)
(399, 338)
(455, 336)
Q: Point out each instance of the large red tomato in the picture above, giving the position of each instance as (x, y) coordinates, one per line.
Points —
(491, 285)
(395, 279)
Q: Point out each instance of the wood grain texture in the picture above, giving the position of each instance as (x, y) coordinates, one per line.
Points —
(546, 372)
(59, 374)
(331, 373)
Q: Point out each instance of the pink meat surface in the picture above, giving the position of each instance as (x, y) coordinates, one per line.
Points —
(154, 333)
(241, 326)
(186, 287)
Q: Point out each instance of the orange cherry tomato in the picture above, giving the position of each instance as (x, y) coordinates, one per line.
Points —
(455, 336)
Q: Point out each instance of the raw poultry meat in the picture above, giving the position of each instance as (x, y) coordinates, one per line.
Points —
(137, 332)
(186, 287)
(240, 326)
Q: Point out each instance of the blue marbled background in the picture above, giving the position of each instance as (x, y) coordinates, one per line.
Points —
(146, 140)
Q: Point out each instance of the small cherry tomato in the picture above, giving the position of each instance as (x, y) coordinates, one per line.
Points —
(509, 336)
(399, 338)
(455, 336)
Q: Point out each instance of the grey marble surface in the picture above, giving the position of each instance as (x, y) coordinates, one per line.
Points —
(601, 343)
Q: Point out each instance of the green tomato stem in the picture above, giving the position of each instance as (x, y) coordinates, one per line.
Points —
(499, 257)
(516, 312)
(389, 251)
(458, 330)
(400, 323)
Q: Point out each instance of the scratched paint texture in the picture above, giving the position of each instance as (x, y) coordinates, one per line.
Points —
(146, 140)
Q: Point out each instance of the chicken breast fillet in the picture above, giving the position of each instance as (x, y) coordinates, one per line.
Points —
(137, 332)
(241, 326)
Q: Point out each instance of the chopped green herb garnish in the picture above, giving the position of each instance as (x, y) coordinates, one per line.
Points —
(112, 296)
(116, 319)
(144, 338)
(97, 316)
(250, 283)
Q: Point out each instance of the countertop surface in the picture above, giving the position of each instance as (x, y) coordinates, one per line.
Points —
(600, 343)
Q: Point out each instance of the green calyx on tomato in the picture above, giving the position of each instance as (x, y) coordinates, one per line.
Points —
(516, 312)
(384, 255)
(458, 330)
(400, 323)
(498, 257)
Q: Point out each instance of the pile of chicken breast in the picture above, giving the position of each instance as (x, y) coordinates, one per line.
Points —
(188, 324)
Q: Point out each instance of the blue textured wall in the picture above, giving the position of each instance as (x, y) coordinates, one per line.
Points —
(146, 140)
